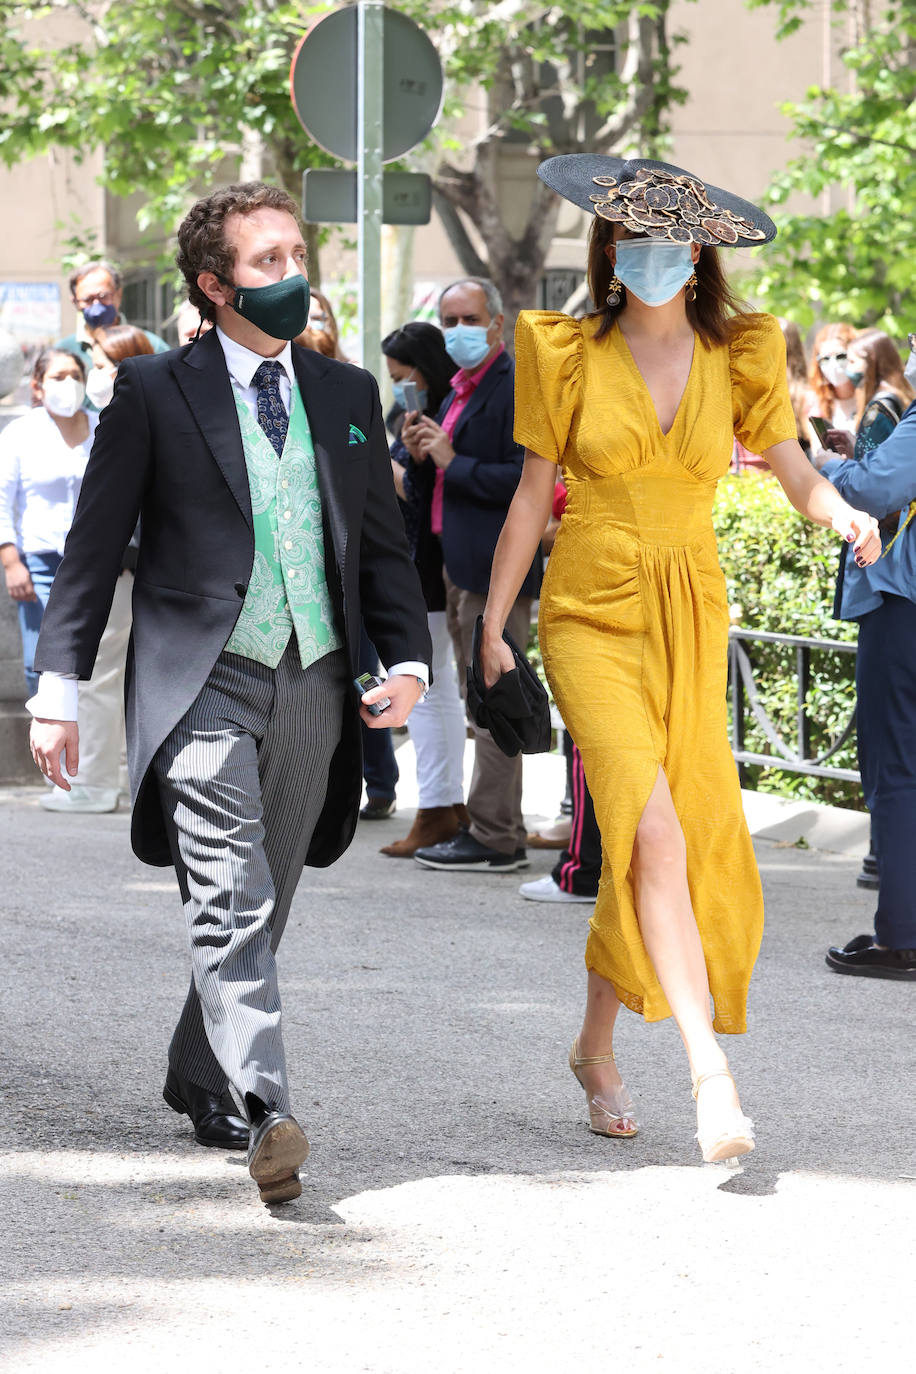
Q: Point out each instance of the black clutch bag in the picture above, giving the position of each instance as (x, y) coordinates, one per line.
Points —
(516, 709)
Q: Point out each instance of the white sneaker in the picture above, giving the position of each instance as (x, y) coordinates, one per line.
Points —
(546, 890)
(80, 799)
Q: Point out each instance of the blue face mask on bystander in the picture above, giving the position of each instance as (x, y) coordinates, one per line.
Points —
(400, 396)
(467, 345)
(98, 315)
(654, 271)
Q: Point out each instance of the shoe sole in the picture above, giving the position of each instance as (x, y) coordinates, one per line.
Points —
(274, 1163)
(902, 975)
(476, 866)
(735, 1148)
(178, 1106)
(568, 899)
(285, 1189)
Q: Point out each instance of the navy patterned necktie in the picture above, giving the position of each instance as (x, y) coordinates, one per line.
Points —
(272, 416)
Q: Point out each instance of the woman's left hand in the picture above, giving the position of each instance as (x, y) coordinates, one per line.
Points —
(862, 532)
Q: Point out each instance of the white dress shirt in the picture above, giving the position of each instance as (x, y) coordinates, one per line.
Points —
(40, 479)
(57, 694)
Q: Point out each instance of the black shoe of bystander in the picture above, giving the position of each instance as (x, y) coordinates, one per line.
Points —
(867, 960)
(464, 854)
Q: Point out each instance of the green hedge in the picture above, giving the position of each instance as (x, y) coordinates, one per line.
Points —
(781, 572)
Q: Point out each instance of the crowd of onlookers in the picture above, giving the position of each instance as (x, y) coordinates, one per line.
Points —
(455, 466)
(854, 384)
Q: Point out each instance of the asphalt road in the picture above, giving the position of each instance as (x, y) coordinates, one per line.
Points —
(457, 1214)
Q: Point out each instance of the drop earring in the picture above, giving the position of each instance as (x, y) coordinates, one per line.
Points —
(615, 286)
(692, 287)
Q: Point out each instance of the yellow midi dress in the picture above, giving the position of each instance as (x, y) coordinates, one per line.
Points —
(634, 619)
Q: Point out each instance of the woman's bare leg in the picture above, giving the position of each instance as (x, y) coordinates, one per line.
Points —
(672, 940)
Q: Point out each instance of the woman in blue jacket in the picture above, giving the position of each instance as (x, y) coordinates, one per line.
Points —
(882, 598)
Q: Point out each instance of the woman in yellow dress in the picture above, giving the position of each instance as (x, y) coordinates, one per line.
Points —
(639, 403)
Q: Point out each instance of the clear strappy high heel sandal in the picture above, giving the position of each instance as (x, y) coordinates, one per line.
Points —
(733, 1134)
(608, 1114)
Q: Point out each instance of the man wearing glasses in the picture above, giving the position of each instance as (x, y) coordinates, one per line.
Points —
(95, 290)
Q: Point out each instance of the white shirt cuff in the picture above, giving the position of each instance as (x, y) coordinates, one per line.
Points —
(420, 670)
(56, 698)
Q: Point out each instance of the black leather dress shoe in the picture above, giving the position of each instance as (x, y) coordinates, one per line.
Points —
(276, 1149)
(464, 854)
(863, 957)
(214, 1115)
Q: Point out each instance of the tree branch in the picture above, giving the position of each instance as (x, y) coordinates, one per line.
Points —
(458, 236)
(638, 75)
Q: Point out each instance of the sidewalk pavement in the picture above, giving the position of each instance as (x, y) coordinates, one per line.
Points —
(457, 1214)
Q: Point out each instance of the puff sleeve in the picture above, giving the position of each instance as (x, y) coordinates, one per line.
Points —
(548, 380)
(761, 408)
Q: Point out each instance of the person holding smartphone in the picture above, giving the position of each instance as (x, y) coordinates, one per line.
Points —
(420, 371)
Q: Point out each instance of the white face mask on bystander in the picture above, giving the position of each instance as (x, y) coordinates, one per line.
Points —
(100, 387)
(910, 370)
(62, 396)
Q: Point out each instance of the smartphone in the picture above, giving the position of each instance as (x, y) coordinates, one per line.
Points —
(364, 683)
(411, 399)
(820, 427)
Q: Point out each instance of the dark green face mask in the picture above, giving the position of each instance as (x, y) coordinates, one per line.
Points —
(280, 309)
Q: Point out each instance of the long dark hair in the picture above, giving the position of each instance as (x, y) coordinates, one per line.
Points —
(713, 314)
(421, 345)
(883, 370)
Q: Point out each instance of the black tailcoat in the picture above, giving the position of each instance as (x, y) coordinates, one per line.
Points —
(169, 450)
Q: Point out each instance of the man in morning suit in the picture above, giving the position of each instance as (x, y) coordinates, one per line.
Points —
(467, 465)
(269, 527)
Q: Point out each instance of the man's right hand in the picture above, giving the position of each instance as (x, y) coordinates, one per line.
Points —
(51, 741)
(19, 582)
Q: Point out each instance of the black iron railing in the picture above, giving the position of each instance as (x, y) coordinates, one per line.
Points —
(745, 697)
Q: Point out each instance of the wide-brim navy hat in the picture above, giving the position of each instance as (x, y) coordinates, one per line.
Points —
(657, 199)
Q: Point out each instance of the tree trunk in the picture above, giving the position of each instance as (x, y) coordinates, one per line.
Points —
(516, 264)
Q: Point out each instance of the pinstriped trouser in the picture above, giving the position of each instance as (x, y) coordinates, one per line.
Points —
(243, 778)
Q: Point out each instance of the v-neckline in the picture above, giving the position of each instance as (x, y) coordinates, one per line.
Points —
(665, 433)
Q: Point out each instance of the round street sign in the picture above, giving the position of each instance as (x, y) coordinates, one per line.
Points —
(322, 83)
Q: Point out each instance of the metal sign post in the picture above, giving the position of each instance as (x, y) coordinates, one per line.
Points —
(369, 89)
(370, 111)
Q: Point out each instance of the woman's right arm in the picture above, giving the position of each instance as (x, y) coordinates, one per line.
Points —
(18, 581)
(518, 543)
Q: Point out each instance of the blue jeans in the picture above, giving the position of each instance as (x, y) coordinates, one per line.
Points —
(42, 567)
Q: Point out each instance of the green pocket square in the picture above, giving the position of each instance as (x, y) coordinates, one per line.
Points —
(356, 435)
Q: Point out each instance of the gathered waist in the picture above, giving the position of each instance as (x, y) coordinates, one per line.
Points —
(650, 508)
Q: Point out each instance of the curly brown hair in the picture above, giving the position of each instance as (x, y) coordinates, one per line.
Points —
(714, 314)
(202, 244)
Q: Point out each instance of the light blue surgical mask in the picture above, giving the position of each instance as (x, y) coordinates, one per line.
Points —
(855, 374)
(655, 271)
(467, 345)
(400, 396)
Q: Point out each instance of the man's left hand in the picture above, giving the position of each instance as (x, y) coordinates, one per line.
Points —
(404, 693)
(434, 442)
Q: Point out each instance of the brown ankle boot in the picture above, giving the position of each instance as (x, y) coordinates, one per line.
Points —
(431, 826)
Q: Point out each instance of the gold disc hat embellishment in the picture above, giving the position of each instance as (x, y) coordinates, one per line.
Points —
(674, 207)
